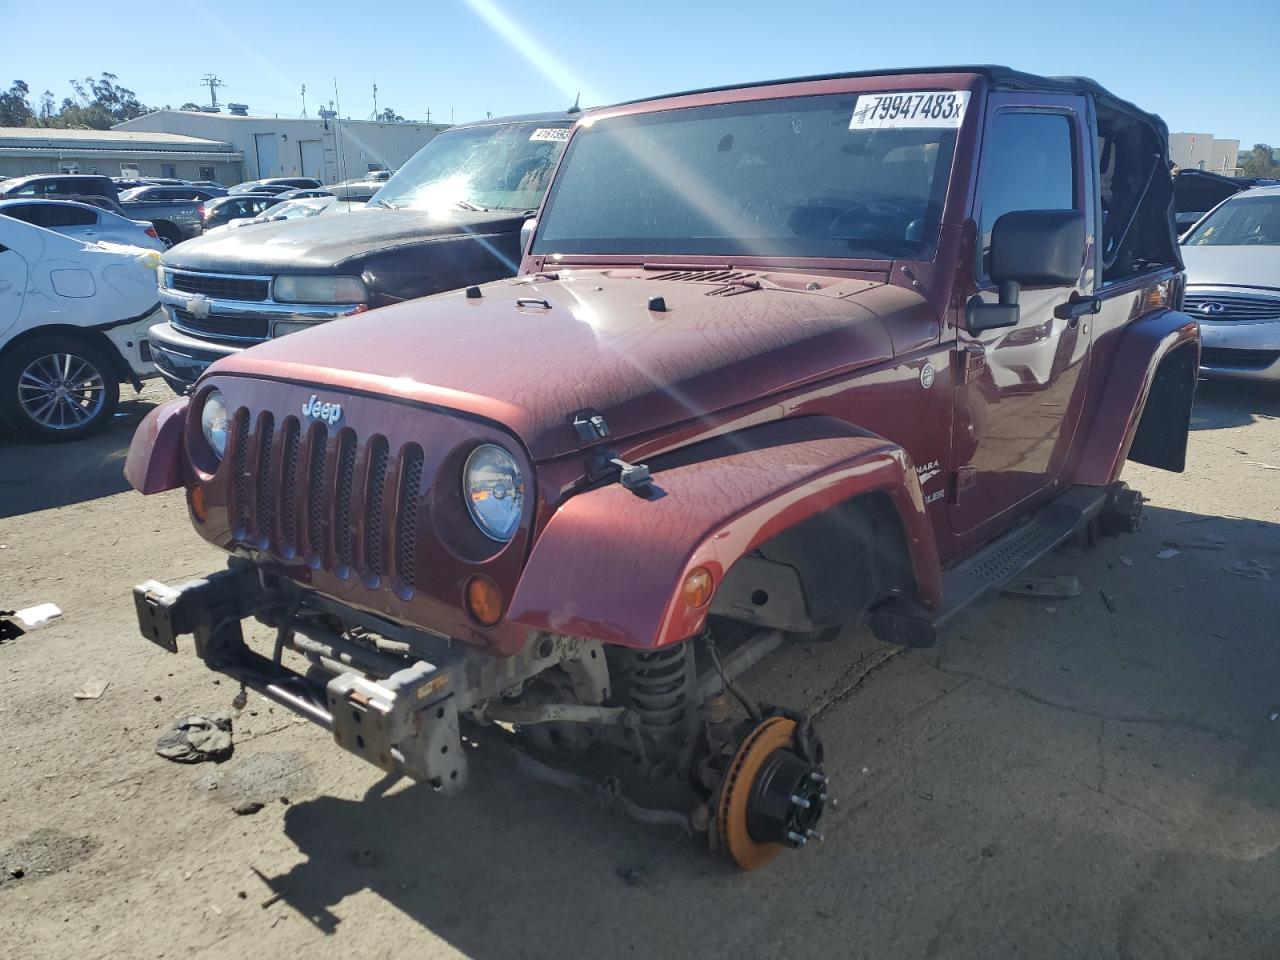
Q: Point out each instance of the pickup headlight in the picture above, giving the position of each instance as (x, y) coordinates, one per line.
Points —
(214, 423)
(494, 491)
(319, 290)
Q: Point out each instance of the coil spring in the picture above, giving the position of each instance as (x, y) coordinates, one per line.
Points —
(661, 690)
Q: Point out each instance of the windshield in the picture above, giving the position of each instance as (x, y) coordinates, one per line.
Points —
(504, 166)
(1241, 221)
(774, 178)
(292, 210)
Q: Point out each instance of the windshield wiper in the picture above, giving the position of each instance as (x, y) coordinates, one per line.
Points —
(382, 203)
(468, 205)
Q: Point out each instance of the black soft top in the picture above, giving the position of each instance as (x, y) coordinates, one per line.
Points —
(1001, 78)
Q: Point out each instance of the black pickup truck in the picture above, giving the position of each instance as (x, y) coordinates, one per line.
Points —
(450, 217)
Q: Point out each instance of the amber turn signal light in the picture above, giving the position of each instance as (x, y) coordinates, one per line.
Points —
(484, 600)
(697, 587)
(199, 509)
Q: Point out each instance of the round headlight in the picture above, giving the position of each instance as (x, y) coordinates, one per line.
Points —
(214, 423)
(494, 491)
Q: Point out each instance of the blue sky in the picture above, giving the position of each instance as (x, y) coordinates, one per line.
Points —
(463, 58)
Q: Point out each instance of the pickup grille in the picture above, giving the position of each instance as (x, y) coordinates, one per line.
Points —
(255, 329)
(348, 505)
(1238, 307)
(225, 288)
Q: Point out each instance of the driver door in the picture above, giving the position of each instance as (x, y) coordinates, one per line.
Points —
(1021, 388)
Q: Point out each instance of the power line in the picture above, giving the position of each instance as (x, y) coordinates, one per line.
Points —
(212, 81)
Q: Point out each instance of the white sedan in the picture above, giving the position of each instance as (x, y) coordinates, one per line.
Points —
(74, 318)
(84, 222)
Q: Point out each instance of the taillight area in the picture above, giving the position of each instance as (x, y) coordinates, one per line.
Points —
(201, 211)
(151, 232)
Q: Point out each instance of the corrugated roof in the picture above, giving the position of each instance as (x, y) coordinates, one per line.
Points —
(54, 137)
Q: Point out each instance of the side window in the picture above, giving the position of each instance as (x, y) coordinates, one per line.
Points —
(69, 216)
(27, 212)
(1028, 163)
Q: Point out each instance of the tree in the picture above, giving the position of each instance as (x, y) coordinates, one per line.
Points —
(189, 106)
(389, 116)
(15, 109)
(1259, 162)
(99, 104)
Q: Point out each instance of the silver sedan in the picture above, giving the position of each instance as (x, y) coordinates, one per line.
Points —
(1233, 285)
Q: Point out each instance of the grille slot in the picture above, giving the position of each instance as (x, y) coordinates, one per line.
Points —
(226, 288)
(378, 457)
(407, 532)
(345, 484)
(1241, 359)
(241, 479)
(289, 485)
(265, 502)
(221, 327)
(1245, 308)
(315, 489)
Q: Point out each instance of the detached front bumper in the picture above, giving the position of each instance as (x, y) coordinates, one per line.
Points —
(406, 722)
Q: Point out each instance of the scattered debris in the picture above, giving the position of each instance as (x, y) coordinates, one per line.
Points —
(632, 876)
(924, 795)
(92, 689)
(195, 738)
(1251, 569)
(1126, 561)
(364, 858)
(274, 898)
(1259, 463)
(1044, 587)
(14, 623)
(1106, 598)
(1190, 520)
(239, 700)
(1274, 716)
(246, 808)
(1051, 610)
(1168, 553)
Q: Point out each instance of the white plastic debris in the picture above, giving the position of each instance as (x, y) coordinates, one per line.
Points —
(92, 689)
(37, 616)
(1168, 553)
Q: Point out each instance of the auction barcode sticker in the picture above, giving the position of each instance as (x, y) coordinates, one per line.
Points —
(557, 134)
(881, 111)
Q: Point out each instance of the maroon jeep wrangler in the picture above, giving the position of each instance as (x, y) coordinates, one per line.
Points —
(781, 358)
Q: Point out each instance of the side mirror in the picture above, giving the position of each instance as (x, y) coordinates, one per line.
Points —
(526, 234)
(1035, 248)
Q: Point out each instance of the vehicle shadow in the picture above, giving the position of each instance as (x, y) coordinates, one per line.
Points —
(1100, 727)
(40, 476)
(1234, 403)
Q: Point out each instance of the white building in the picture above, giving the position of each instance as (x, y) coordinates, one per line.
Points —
(116, 153)
(1202, 151)
(327, 148)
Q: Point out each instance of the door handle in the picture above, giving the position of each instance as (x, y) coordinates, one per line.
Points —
(1077, 307)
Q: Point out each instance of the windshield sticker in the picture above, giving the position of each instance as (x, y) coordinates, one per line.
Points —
(904, 111)
(556, 134)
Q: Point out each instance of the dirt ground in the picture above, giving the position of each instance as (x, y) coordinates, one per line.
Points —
(1056, 780)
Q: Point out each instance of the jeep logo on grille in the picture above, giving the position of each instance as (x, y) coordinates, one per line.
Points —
(329, 413)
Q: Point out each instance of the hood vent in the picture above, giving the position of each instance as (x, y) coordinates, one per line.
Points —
(704, 276)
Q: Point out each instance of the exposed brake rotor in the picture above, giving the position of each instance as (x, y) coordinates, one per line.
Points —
(772, 795)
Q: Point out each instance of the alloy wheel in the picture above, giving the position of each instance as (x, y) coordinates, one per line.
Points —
(61, 391)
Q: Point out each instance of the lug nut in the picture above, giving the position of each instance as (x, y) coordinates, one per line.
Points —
(818, 778)
(801, 802)
(795, 838)
(815, 835)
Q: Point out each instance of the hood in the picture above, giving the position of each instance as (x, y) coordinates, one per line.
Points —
(324, 244)
(595, 347)
(1251, 266)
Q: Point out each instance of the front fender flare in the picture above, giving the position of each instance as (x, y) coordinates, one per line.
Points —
(609, 564)
(155, 461)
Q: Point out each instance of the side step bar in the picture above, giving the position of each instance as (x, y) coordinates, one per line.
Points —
(990, 569)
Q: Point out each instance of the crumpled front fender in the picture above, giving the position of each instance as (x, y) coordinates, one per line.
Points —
(155, 461)
(609, 565)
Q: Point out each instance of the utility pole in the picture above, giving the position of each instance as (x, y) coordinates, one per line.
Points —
(211, 79)
(428, 114)
(304, 101)
(375, 100)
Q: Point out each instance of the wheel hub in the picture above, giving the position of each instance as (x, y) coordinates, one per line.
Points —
(773, 793)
